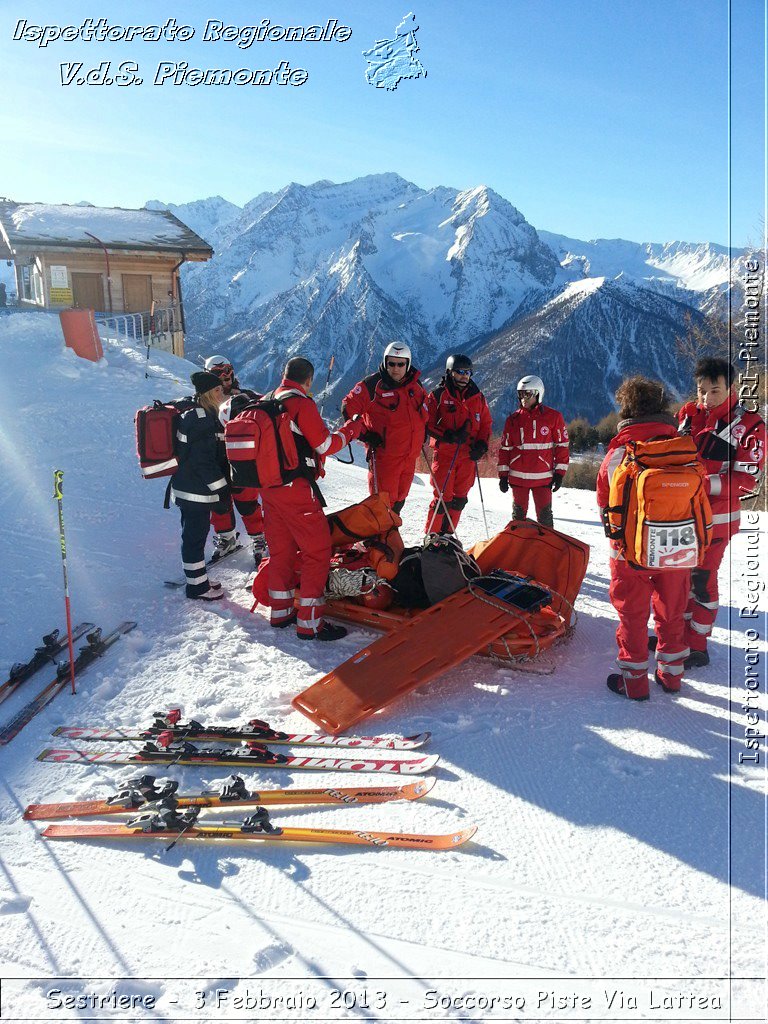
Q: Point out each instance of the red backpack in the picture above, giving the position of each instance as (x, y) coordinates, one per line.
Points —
(156, 436)
(263, 449)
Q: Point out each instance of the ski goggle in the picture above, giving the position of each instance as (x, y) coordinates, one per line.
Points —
(396, 363)
(527, 394)
(223, 370)
(461, 373)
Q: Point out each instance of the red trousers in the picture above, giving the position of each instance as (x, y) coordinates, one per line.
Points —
(456, 482)
(633, 593)
(299, 547)
(542, 496)
(246, 501)
(393, 475)
(704, 599)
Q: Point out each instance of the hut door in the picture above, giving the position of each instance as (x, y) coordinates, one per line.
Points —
(87, 291)
(137, 293)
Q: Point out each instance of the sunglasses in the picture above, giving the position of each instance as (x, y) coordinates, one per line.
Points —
(396, 363)
(461, 373)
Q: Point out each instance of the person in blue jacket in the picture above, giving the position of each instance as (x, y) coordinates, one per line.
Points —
(199, 486)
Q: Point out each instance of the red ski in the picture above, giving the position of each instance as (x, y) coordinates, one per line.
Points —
(247, 756)
(169, 723)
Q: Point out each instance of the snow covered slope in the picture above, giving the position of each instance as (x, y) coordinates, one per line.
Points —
(604, 826)
(696, 273)
(693, 267)
(582, 342)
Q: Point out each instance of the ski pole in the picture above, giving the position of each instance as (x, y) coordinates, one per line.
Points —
(58, 484)
(327, 382)
(374, 474)
(149, 336)
(440, 492)
(482, 503)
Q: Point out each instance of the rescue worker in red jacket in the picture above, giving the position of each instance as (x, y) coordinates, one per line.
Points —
(244, 499)
(460, 425)
(533, 456)
(296, 529)
(393, 405)
(731, 441)
(635, 591)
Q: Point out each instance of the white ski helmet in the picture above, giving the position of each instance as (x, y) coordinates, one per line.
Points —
(212, 361)
(532, 383)
(399, 350)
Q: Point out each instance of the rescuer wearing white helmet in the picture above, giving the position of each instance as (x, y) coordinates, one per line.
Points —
(393, 405)
(533, 457)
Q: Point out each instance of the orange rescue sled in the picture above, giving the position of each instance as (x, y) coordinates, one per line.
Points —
(553, 559)
(422, 648)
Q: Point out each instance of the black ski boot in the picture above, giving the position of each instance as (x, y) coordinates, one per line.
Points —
(328, 631)
(545, 516)
(696, 659)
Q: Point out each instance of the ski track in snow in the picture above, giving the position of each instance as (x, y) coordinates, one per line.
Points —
(603, 825)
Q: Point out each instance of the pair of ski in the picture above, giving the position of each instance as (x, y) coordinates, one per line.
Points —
(52, 647)
(96, 645)
(167, 741)
(163, 819)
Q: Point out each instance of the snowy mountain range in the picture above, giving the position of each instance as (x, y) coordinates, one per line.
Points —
(341, 269)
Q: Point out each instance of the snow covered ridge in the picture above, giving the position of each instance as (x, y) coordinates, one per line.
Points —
(691, 266)
(604, 828)
(343, 268)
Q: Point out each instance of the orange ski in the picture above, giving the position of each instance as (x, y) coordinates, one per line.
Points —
(411, 841)
(131, 800)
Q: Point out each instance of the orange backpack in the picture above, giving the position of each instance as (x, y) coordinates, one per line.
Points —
(373, 522)
(368, 518)
(658, 510)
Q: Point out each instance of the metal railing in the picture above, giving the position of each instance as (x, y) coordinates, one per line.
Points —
(154, 328)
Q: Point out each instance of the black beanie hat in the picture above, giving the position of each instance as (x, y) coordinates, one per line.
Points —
(204, 381)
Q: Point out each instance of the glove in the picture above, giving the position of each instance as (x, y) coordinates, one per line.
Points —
(477, 450)
(455, 436)
(220, 508)
(372, 439)
(351, 429)
(557, 482)
(503, 484)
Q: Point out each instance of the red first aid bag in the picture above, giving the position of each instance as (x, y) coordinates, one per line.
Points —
(156, 437)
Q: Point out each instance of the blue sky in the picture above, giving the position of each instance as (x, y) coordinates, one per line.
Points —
(595, 119)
